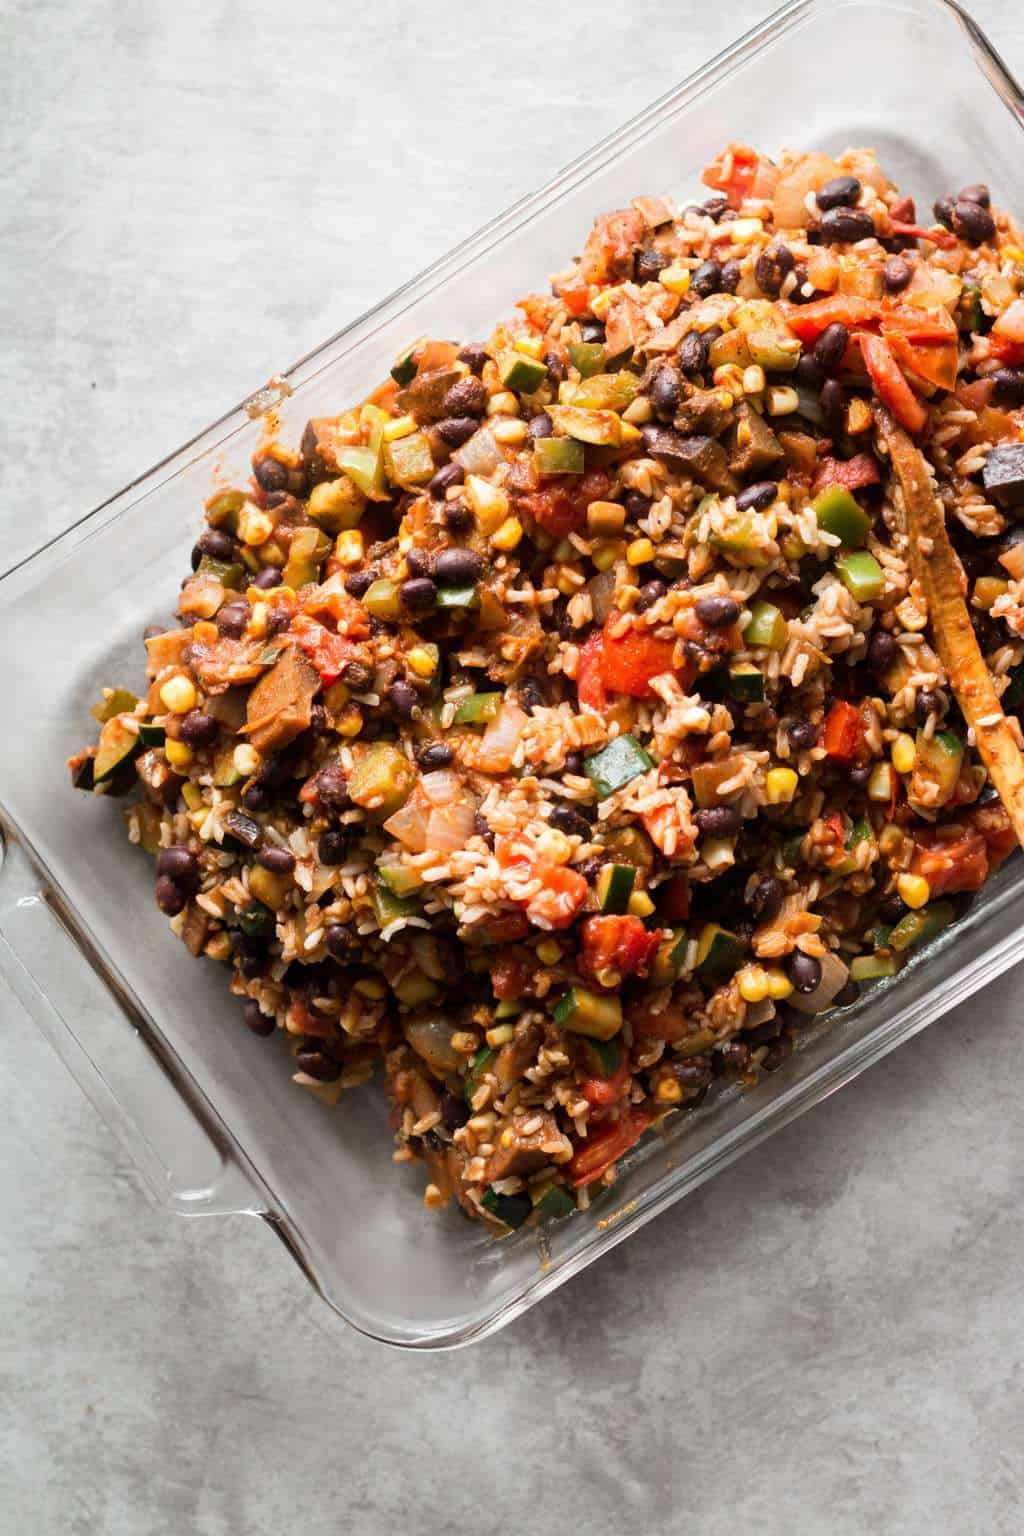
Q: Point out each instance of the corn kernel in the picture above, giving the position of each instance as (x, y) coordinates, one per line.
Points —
(675, 278)
(780, 785)
(348, 547)
(753, 379)
(753, 984)
(500, 1035)
(742, 231)
(177, 753)
(605, 554)
(465, 1042)
(337, 696)
(639, 412)
(257, 626)
(779, 984)
(508, 535)
(489, 502)
(553, 845)
(371, 987)
(350, 722)
(433, 1199)
(254, 526)
(668, 1091)
(914, 890)
(602, 303)
(986, 591)
(401, 426)
(510, 431)
(729, 376)
(199, 817)
(503, 403)
(178, 694)
(566, 582)
(640, 551)
(781, 400)
(422, 660)
(529, 346)
(245, 759)
(859, 416)
(891, 840)
(640, 904)
(904, 753)
(549, 952)
(605, 518)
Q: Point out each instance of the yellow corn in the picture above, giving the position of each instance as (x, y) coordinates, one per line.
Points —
(914, 890)
(337, 696)
(742, 231)
(465, 1042)
(640, 904)
(753, 984)
(780, 785)
(640, 411)
(605, 554)
(254, 526)
(205, 633)
(177, 753)
(668, 1091)
(753, 379)
(604, 301)
(629, 435)
(605, 518)
(350, 722)
(422, 660)
(510, 431)
(779, 984)
(489, 502)
(500, 1035)
(401, 426)
(245, 759)
(640, 551)
(503, 403)
(904, 753)
(781, 400)
(257, 626)
(675, 278)
(508, 535)
(549, 952)
(371, 987)
(530, 346)
(178, 695)
(348, 547)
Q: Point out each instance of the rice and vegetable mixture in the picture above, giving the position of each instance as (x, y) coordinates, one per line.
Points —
(567, 725)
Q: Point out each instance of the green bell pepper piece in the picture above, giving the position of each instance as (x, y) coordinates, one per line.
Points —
(478, 709)
(587, 357)
(767, 626)
(838, 513)
(523, 374)
(558, 456)
(861, 575)
(621, 761)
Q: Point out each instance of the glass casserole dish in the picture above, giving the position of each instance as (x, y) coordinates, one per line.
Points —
(211, 1115)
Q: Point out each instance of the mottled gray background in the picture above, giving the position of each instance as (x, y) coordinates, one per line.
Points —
(828, 1338)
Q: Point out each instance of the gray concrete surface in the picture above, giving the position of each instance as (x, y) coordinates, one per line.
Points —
(827, 1339)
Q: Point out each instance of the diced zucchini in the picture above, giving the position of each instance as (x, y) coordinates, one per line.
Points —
(119, 701)
(872, 967)
(551, 1201)
(767, 626)
(415, 988)
(860, 832)
(398, 877)
(481, 1063)
(607, 391)
(151, 734)
(558, 456)
(861, 575)
(387, 906)
(739, 538)
(118, 744)
(719, 952)
(230, 573)
(271, 889)
(969, 314)
(917, 927)
(616, 765)
(224, 771)
(614, 886)
(630, 845)
(382, 600)
(382, 779)
(881, 934)
(458, 597)
(603, 1057)
(602, 428)
(478, 709)
(336, 504)
(523, 374)
(507, 1008)
(256, 921)
(585, 1013)
(937, 765)
(403, 370)
(82, 775)
(670, 958)
(364, 465)
(513, 1210)
(587, 357)
(746, 683)
(223, 508)
(408, 461)
(192, 794)
(838, 513)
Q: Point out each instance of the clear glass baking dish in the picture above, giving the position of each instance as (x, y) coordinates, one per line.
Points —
(208, 1112)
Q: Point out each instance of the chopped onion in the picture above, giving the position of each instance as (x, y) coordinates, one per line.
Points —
(498, 746)
(601, 589)
(1011, 322)
(834, 976)
(789, 201)
(443, 786)
(451, 826)
(480, 455)
(409, 824)
(430, 1035)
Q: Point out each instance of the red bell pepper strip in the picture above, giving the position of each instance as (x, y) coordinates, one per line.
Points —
(809, 320)
(933, 365)
(852, 474)
(890, 385)
(589, 683)
(844, 731)
(606, 1146)
(940, 237)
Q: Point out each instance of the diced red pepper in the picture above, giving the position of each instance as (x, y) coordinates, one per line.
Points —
(844, 731)
(740, 172)
(936, 366)
(604, 1147)
(940, 237)
(328, 652)
(575, 295)
(589, 682)
(953, 866)
(618, 943)
(603, 1091)
(852, 474)
(630, 660)
(1006, 349)
(890, 385)
(563, 891)
(808, 321)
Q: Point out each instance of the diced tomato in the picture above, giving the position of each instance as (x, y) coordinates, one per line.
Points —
(674, 899)
(853, 474)
(328, 652)
(619, 944)
(604, 1147)
(510, 974)
(740, 172)
(890, 385)
(977, 396)
(608, 252)
(575, 295)
(1005, 349)
(630, 660)
(560, 506)
(935, 366)
(589, 682)
(844, 731)
(602, 1091)
(903, 208)
(538, 309)
(1010, 324)
(940, 237)
(809, 320)
(435, 354)
(563, 891)
(953, 866)
(925, 327)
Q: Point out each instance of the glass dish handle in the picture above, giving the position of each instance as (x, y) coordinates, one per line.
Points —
(158, 1121)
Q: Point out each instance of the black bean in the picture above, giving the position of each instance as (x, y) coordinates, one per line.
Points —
(357, 675)
(765, 900)
(332, 788)
(458, 568)
(896, 274)
(403, 699)
(466, 398)
(833, 403)
(664, 392)
(712, 334)
(757, 496)
(267, 578)
(270, 473)
(540, 426)
(732, 1057)
(802, 734)
(973, 223)
(717, 611)
(892, 909)
(419, 594)
(340, 942)
(557, 367)
(255, 798)
(456, 430)
(801, 282)
(761, 1034)
(531, 695)
(772, 267)
(564, 819)
(714, 207)
(474, 355)
(332, 847)
(931, 702)
(977, 192)
(481, 828)
(280, 861)
(458, 517)
(215, 543)
(232, 618)
(573, 764)
(436, 754)
(943, 210)
(693, 1071)
(170, 898)
(718, 821)
(859, 774)
(252, 957)
(178, 864)
(198, 728)
(707, 279)
(651, 592)
(359, 583)
(808, 373)
(255, 1020)
(731, 274)
(637, 504)
(417, 562)
(840, 192)
(592, 330)
(647, 265)
(778, 1052)
(454, 1111)
(693, 354)
(1009, 385)
(448, 474)
(804, 972)
(278, 620)
(843, 225)
(830, 347)
(317, 1063)
(881, 651)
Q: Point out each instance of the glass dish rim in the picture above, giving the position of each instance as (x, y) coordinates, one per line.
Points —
(789, 1102)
